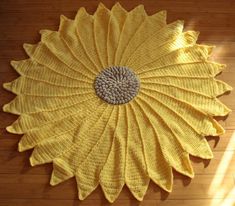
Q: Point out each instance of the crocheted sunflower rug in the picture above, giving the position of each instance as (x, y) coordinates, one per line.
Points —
(117, 98)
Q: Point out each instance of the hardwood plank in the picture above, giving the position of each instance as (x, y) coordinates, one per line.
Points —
(48, 202)
(51, 18)
(36, 186)
(189, 5)
(21, 184)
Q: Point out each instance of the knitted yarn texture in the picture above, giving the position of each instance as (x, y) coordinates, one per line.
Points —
(117, 98)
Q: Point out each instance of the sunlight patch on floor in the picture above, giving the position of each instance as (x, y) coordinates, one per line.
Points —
(217, 189)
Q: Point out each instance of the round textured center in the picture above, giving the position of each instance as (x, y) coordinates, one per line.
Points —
(117, 85)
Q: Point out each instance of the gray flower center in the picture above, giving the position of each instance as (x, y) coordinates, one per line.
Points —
(117, 85)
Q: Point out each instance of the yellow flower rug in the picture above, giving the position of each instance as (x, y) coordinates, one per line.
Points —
(117, 98)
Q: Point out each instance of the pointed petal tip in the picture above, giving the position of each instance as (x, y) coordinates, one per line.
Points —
(164, 12)
(13, 63)
(225, 111)
(189, 172)
(228, 88)
(139, 197)
(208, 156)
(118, 6)
(9, 108)
(110, 198)
(23, 147)
(204, 151)
(27, 45)
(63, 17)
(45, 32)
(81, 12)
(5, 108)
(196, 33)
(180, 22)
(101, 9)
(140, 6)
(20, 147)
(191, 175)
(10, 129)
(28, 48)
(32, 161)
(168, 188)
(139, 191)
(7, 86)
(217, 129)
(55, 179)
(210, 49)
(53, 182)
(222, 65)
(166, 183)
(228, 111)
(140, 9)
(42, 31)
(82, 195)
(101, 6)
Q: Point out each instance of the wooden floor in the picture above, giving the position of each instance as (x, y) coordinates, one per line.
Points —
(214, 182)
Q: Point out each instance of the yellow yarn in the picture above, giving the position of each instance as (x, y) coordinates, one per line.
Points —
(67, 124)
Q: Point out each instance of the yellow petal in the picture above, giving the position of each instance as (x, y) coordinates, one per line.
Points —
(34, 71)
(148, 27)
(71, 139)
(189, 133)
(23, 85)
(54, 42)
(41, 54)
(157, 45)
(136, 173)
(23, 103)
(221, 87)
(116, 23)
(38, 119)
(101, 22)
(48, 150)
(176, 156)
(68, 32)
(203, 85)
(59, 127)
(203, 103)
(133, 21)
(206, 125)
(168, 39)
(188, 69)
(85, 34)
(203, 150)
(112, 176)
(190, 54)
(94, 151)
(61, 172)
(158, 169)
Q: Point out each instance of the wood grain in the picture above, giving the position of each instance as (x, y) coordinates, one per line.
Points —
(214, 182)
